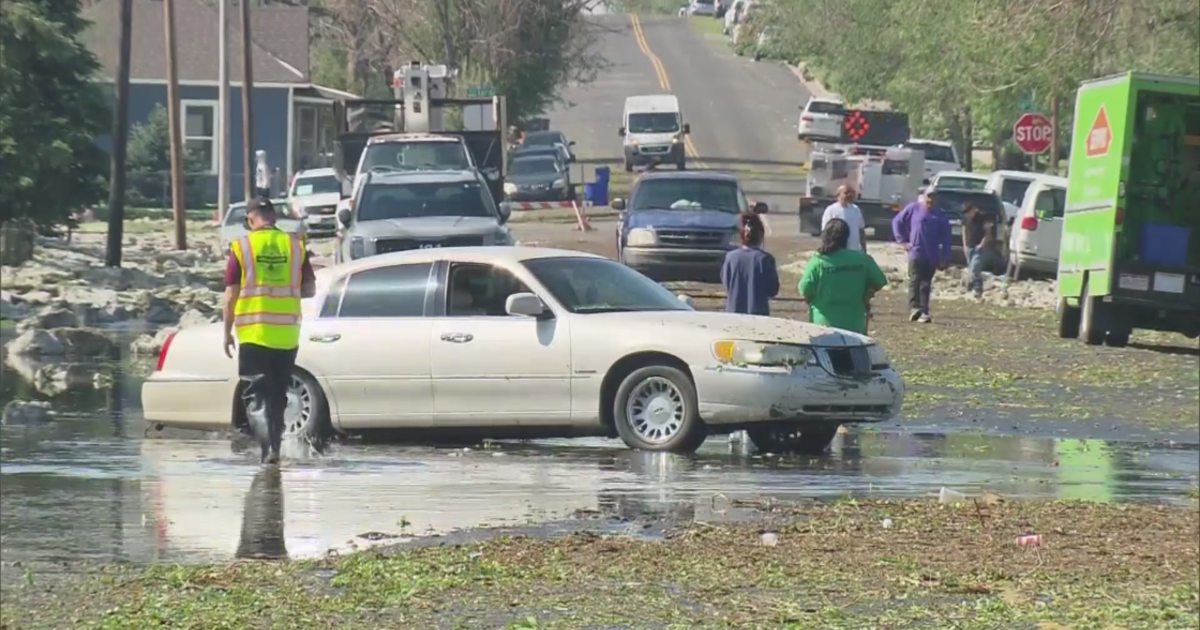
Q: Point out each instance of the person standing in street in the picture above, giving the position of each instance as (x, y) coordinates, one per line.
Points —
(262, 175)
(845, 209)
(267, 275)
(924, 231)
(839, 281)
(979, 243)
(749, 273)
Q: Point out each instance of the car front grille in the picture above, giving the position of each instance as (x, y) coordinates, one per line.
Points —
(655, 150)
(388, 245)
(321, 210)
(846, 361)
(692, 238)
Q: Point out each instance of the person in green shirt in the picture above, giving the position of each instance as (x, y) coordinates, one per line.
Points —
(838, 282)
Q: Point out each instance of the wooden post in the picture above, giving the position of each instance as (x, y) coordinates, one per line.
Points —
(1054, 134)
(120, 137)
(247, 107)
(174, 115)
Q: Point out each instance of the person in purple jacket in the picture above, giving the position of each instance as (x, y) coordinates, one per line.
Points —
(749, 273)
(925, 233)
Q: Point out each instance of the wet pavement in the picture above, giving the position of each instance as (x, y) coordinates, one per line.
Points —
(87, 486)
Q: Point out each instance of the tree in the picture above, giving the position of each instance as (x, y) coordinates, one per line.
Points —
(51, 111)
(148, 160)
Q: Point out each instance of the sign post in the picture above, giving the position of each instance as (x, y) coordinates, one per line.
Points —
(1033, 133)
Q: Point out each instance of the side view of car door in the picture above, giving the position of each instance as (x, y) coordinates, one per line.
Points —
(370, 347)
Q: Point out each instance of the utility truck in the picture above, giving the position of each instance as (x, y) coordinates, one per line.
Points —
(1130, 251)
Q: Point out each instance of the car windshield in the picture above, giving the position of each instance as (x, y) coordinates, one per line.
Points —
(933, 152)
(822, 107)
(544, 138)
(688, 193)
(534, 166)
(600, 285)
(1013, 190)
(658, 122)
(965, 183)
(316, 186)
(539, 152)
(953, 202)
(434, 199)
(236, 214)
(411, 156)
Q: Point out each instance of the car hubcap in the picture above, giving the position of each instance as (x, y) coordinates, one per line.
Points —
(655, 410)
(299, 407)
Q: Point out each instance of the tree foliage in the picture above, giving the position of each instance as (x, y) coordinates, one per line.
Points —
(960, 68)
(50, 113)
(148, 161)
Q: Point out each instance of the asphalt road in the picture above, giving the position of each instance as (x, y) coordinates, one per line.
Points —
(742, 113)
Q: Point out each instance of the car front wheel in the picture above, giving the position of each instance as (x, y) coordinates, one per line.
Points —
(809, 438)
(656, 409)
(307, 413)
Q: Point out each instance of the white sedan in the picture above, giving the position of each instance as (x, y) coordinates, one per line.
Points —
(534, 342)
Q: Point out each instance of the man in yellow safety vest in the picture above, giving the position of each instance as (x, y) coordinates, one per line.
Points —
(267, 274)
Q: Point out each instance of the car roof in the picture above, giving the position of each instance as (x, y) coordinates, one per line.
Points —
(545, 132)
(698, 175)
(648, 103)
(485, 254)
(1052, 180)
(962, 174)
(413, 137)
(423, 177)
(316, 172)
(822, 99)
(940, 143)
(1024, 175)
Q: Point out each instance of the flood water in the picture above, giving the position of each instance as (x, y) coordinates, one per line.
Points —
(88, 486)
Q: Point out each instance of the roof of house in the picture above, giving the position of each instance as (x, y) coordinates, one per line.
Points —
(279, 51)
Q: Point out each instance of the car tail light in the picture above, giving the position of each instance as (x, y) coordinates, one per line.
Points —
(806, 118)
(162, 354)
(1029, 223)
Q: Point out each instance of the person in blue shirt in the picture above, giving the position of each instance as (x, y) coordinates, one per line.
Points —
(749, 273)
(925, 233)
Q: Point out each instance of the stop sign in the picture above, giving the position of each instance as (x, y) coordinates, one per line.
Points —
(1033, 133)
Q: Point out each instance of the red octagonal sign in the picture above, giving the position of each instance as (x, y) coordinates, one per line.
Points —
(1033, 133)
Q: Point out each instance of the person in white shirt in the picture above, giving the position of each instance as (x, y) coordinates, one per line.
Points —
(262, 175)
(846, 210)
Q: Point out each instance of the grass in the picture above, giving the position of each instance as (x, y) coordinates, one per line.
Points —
(835, 567)
(708, 25)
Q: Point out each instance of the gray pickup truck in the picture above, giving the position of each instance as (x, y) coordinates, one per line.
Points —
(398, 211)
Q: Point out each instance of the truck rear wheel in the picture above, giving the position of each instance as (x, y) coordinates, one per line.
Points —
(1091, 326)
(1068, 320)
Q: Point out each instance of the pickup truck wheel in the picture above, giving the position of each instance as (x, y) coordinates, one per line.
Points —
(1068, 320)
(1091, 325)
(807, 438)
(656, 409)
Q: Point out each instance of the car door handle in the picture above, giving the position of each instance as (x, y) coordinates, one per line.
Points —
(457, 337)
(329, 338)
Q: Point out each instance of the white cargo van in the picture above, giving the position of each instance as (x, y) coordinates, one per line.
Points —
(653, 129)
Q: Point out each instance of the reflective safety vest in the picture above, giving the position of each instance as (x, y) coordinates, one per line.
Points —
(267, 312)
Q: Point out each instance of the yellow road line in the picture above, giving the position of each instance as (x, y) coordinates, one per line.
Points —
(664, 81)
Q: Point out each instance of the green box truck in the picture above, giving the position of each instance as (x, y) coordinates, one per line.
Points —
(1130, 252)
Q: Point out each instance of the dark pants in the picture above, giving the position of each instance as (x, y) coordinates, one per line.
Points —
(263, 192)
(920, 284)
(266, 374)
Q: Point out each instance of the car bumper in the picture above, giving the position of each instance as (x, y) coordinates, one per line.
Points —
(664, 264)
(188, 402)
(636, 157)
(553, 194)
(321, 223)
(748, 395)
(1037, 264)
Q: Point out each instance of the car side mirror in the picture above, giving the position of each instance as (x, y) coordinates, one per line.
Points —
(617, 204)
(621, 132)
(761, 207)
(505, 212)
(344, 217)
(491, 173)
(526, 304)
(571, 143)
(687, 128)
(687, 299)
(925, 182)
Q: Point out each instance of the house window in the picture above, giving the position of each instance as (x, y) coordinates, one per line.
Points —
(314, 134)
(200, 126)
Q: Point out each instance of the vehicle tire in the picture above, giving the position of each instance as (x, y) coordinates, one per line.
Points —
(628, 166)
(1117, 338)
(1091, 323)
(656, 409)
(1014, 269)
(808, 438)
(1068, 320)
(307, 415)
(681, 165)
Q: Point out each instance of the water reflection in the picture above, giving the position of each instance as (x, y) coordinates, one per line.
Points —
(262, 518)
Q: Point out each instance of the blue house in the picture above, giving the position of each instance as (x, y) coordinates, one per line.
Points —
(293, 118)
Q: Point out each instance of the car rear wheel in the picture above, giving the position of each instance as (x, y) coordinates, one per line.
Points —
(656, 409)
(307, 413)
(808, 438)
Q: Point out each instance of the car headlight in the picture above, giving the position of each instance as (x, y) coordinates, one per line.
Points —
(879, 356)
(675, 140)
(358, 248)
(559, 183)
(501, 237)
(641, 237)
(763, 354)
(510, 187)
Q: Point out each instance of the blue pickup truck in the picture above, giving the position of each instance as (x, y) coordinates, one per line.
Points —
(678, 226)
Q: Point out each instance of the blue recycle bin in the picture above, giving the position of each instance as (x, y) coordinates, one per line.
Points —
(597, 191)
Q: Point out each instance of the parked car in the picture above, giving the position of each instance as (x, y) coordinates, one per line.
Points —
(418, 210)
(939, 155)
(1037, 233)
(538, 178)
(557, 150)
(821, 119)
(520, 341)
(961, 180)
(548, 138)
(702, 7)
(954, 201)
(233, 226)
(313, 197)
(1011, 186)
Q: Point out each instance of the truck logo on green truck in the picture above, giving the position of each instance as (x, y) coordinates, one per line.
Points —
(1100, 135)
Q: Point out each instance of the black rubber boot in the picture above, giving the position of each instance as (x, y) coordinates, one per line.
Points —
(256, 397)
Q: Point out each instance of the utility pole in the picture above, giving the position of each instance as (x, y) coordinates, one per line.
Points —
(173, 114)
(247, 106)
(1054, 134)
(116, 193)
(223, 117)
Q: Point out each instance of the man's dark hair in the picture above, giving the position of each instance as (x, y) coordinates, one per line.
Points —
(834, 237)
(261, 206)
(752, 229)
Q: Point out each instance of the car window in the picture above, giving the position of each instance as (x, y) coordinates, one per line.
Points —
(412, 156)
(236, 215)
(654, 122)
(432, 199)
(544, 138)
(600, 285)
(1013, 190)
(534, 165)
(478, 290)
(333, 299)
(895, 167)
(953, 202)
(819, 107)
(933, 152)
(395, 291)
(965, 183)
(688, 193)
(1050, 202)
(316, 186)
